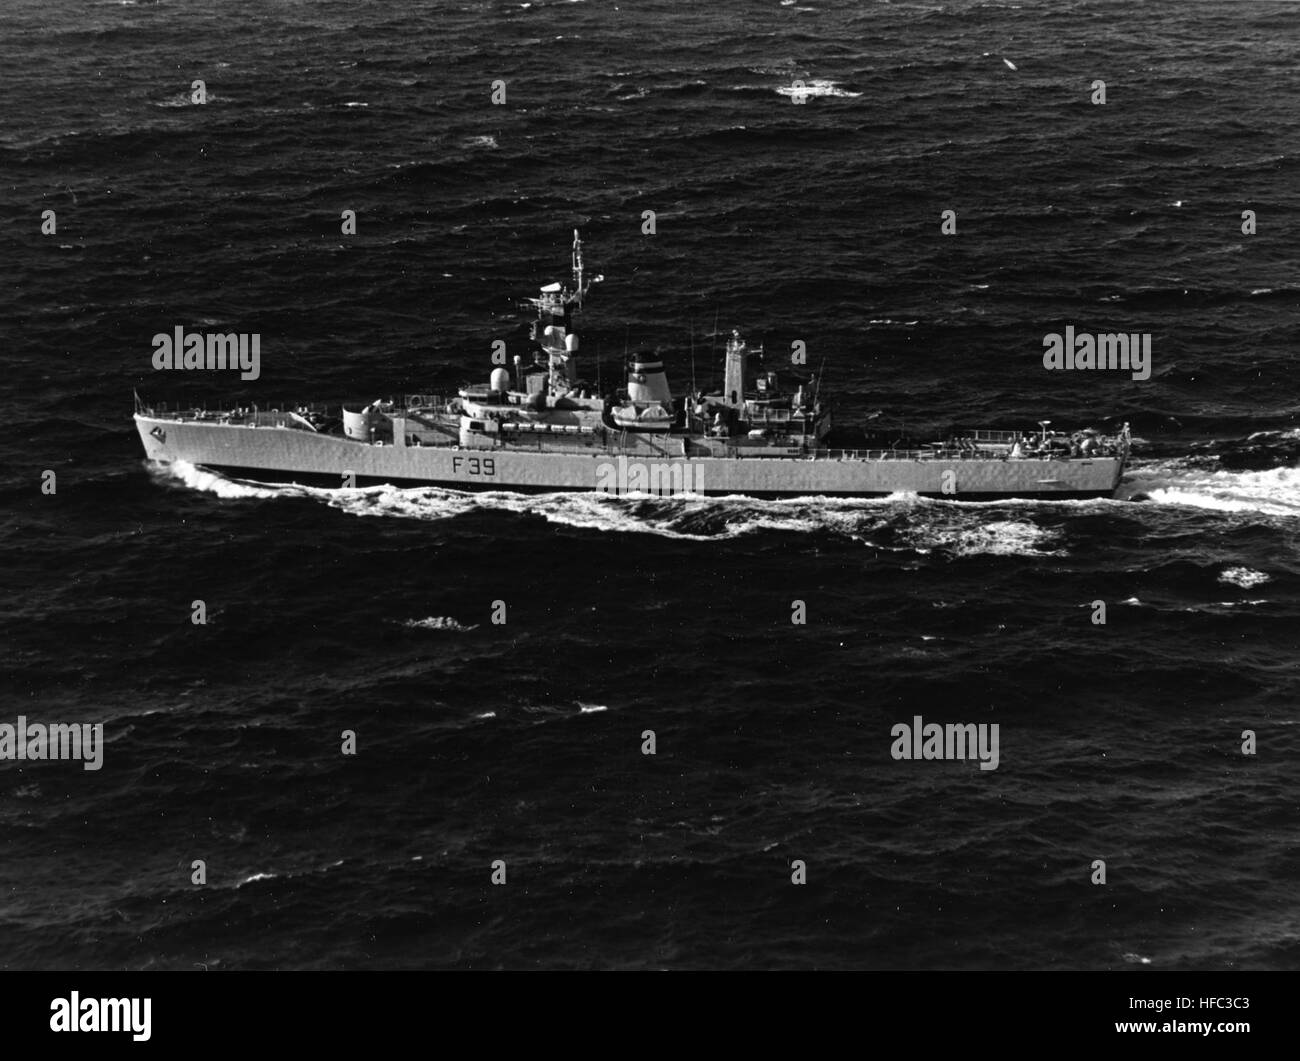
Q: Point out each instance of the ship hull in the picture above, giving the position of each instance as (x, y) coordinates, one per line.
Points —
(271, 454)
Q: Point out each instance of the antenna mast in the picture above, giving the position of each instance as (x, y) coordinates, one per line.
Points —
(713, 374)
(579, 287)
(693, 389)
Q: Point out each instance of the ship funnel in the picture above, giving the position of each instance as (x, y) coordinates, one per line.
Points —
(356, 423)
(646, 381)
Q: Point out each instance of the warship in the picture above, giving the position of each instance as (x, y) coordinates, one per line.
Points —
(543, 428)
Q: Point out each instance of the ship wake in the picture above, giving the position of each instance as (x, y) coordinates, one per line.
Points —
(1198, 483)
(898, 523)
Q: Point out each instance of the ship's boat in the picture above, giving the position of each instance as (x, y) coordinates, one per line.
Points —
(649, 404)
(642, 416)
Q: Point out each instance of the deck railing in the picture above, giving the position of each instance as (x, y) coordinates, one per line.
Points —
(222, 409)
(949, 455)
(991, 436)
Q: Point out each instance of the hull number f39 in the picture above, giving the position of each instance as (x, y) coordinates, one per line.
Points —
(473, 466)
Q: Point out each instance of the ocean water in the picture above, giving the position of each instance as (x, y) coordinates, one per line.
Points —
(370, 610)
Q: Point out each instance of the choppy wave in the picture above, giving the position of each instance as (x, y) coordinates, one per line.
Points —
(253, 878)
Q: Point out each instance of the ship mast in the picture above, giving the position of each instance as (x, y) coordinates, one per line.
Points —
(553, 328)
(579, 289)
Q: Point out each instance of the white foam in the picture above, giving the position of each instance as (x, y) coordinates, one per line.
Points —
(996, 538)
(1274, 492)
(1244, 577)
(963, 530)
(256, 877)
(587, 510)
(184, 99)
(211, 482)
(817, 86)
(438, 622)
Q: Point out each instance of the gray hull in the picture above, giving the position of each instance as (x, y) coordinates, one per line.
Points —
(287, 454)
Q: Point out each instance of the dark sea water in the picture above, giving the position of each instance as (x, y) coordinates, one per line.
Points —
(370, 610)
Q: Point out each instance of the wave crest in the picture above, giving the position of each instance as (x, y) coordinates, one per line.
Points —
(439, 622)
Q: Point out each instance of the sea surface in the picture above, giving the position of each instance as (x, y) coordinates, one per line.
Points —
(370, 610)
